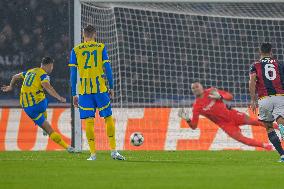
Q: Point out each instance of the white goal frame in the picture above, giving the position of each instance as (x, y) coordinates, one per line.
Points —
(77, 127)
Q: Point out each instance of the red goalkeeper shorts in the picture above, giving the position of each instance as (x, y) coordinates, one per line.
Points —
(237, 119)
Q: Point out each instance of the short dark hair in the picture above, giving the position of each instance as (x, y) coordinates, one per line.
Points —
(89, 31)
(265, 48)
(47, 60)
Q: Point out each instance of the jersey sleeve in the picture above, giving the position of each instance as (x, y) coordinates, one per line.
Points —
(252, 69)
(73, 58)
(195, 115)
(44, 78)
(226, 95)
(109, 75)
(105, 55)
(23, 74)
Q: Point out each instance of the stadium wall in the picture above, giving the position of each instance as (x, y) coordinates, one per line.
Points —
(161, 127)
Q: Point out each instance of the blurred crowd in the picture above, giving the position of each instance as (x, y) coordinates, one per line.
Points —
(29, 30)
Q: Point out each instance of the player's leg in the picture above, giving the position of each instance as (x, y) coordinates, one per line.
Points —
(104, 107)
(235, 132)
(56, 137)
(87, 113)
(280, 122)
(256, 122)
(36, 113)
(274, 139)
(278, 113)
(265, 114)
(45, 116)
(110, 130)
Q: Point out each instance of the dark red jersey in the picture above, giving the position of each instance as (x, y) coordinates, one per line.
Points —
(269, 75)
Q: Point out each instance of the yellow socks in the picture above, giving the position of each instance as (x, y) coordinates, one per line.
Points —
(57, 139)
(110, 132)
(90, 134)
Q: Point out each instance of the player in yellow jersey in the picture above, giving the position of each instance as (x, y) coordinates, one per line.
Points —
(91, 60)
(33, 100)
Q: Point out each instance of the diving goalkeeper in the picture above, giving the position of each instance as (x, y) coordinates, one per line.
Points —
(209, 103)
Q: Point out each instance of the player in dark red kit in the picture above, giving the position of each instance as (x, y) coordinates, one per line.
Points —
(209, 103)
(267, 85)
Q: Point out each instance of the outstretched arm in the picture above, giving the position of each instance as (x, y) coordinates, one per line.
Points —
(52, 91)
(226, 95)
(7, 88)
(220, 94)
(193, 122)
(195, 118)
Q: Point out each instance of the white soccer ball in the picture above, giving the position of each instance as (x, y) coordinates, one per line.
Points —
(136, 139)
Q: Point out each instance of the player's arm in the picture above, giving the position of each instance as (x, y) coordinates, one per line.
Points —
(108, 71)
(16, 77)
(46, 85)
(252, 91)
(192, 122)
(252, 88)
(195, 118)
(73, 77)
(220, 94)
(225, 95)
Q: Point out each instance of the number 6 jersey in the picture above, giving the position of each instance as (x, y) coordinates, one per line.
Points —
(32, 91)
(269, 75)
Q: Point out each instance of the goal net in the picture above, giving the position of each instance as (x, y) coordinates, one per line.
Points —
(158, 49)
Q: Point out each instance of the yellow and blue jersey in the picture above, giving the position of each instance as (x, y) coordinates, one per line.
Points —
(90, 59)
(32, 92)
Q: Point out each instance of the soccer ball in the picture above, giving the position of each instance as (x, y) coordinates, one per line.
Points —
(136, 139)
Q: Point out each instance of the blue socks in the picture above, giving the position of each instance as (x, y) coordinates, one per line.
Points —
(276, 142)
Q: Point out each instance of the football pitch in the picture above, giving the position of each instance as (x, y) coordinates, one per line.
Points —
(142, 169)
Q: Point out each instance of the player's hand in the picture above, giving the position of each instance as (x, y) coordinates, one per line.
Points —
(75, 101)
(182, 113)
(214, 94)
(111, 93)
(253, 106)
(6, 88)
(62, 99)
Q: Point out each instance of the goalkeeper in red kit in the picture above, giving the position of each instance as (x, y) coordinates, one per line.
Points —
(209, 103)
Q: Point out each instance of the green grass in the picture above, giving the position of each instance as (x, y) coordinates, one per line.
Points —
(145, 170)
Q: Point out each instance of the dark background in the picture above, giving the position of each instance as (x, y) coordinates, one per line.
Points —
(29, 30)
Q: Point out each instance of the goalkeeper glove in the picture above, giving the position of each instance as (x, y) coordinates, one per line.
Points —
(182, 113)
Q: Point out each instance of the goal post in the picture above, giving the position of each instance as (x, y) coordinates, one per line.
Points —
(76, 122)
(158, 48)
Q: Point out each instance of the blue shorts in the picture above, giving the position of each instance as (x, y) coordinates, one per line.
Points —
(37, 112)
(89, 102)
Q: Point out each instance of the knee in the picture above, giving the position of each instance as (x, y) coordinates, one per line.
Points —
(268, 126)
(280, 120)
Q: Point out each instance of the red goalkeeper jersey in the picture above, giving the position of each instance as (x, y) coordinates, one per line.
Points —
(215, 110)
